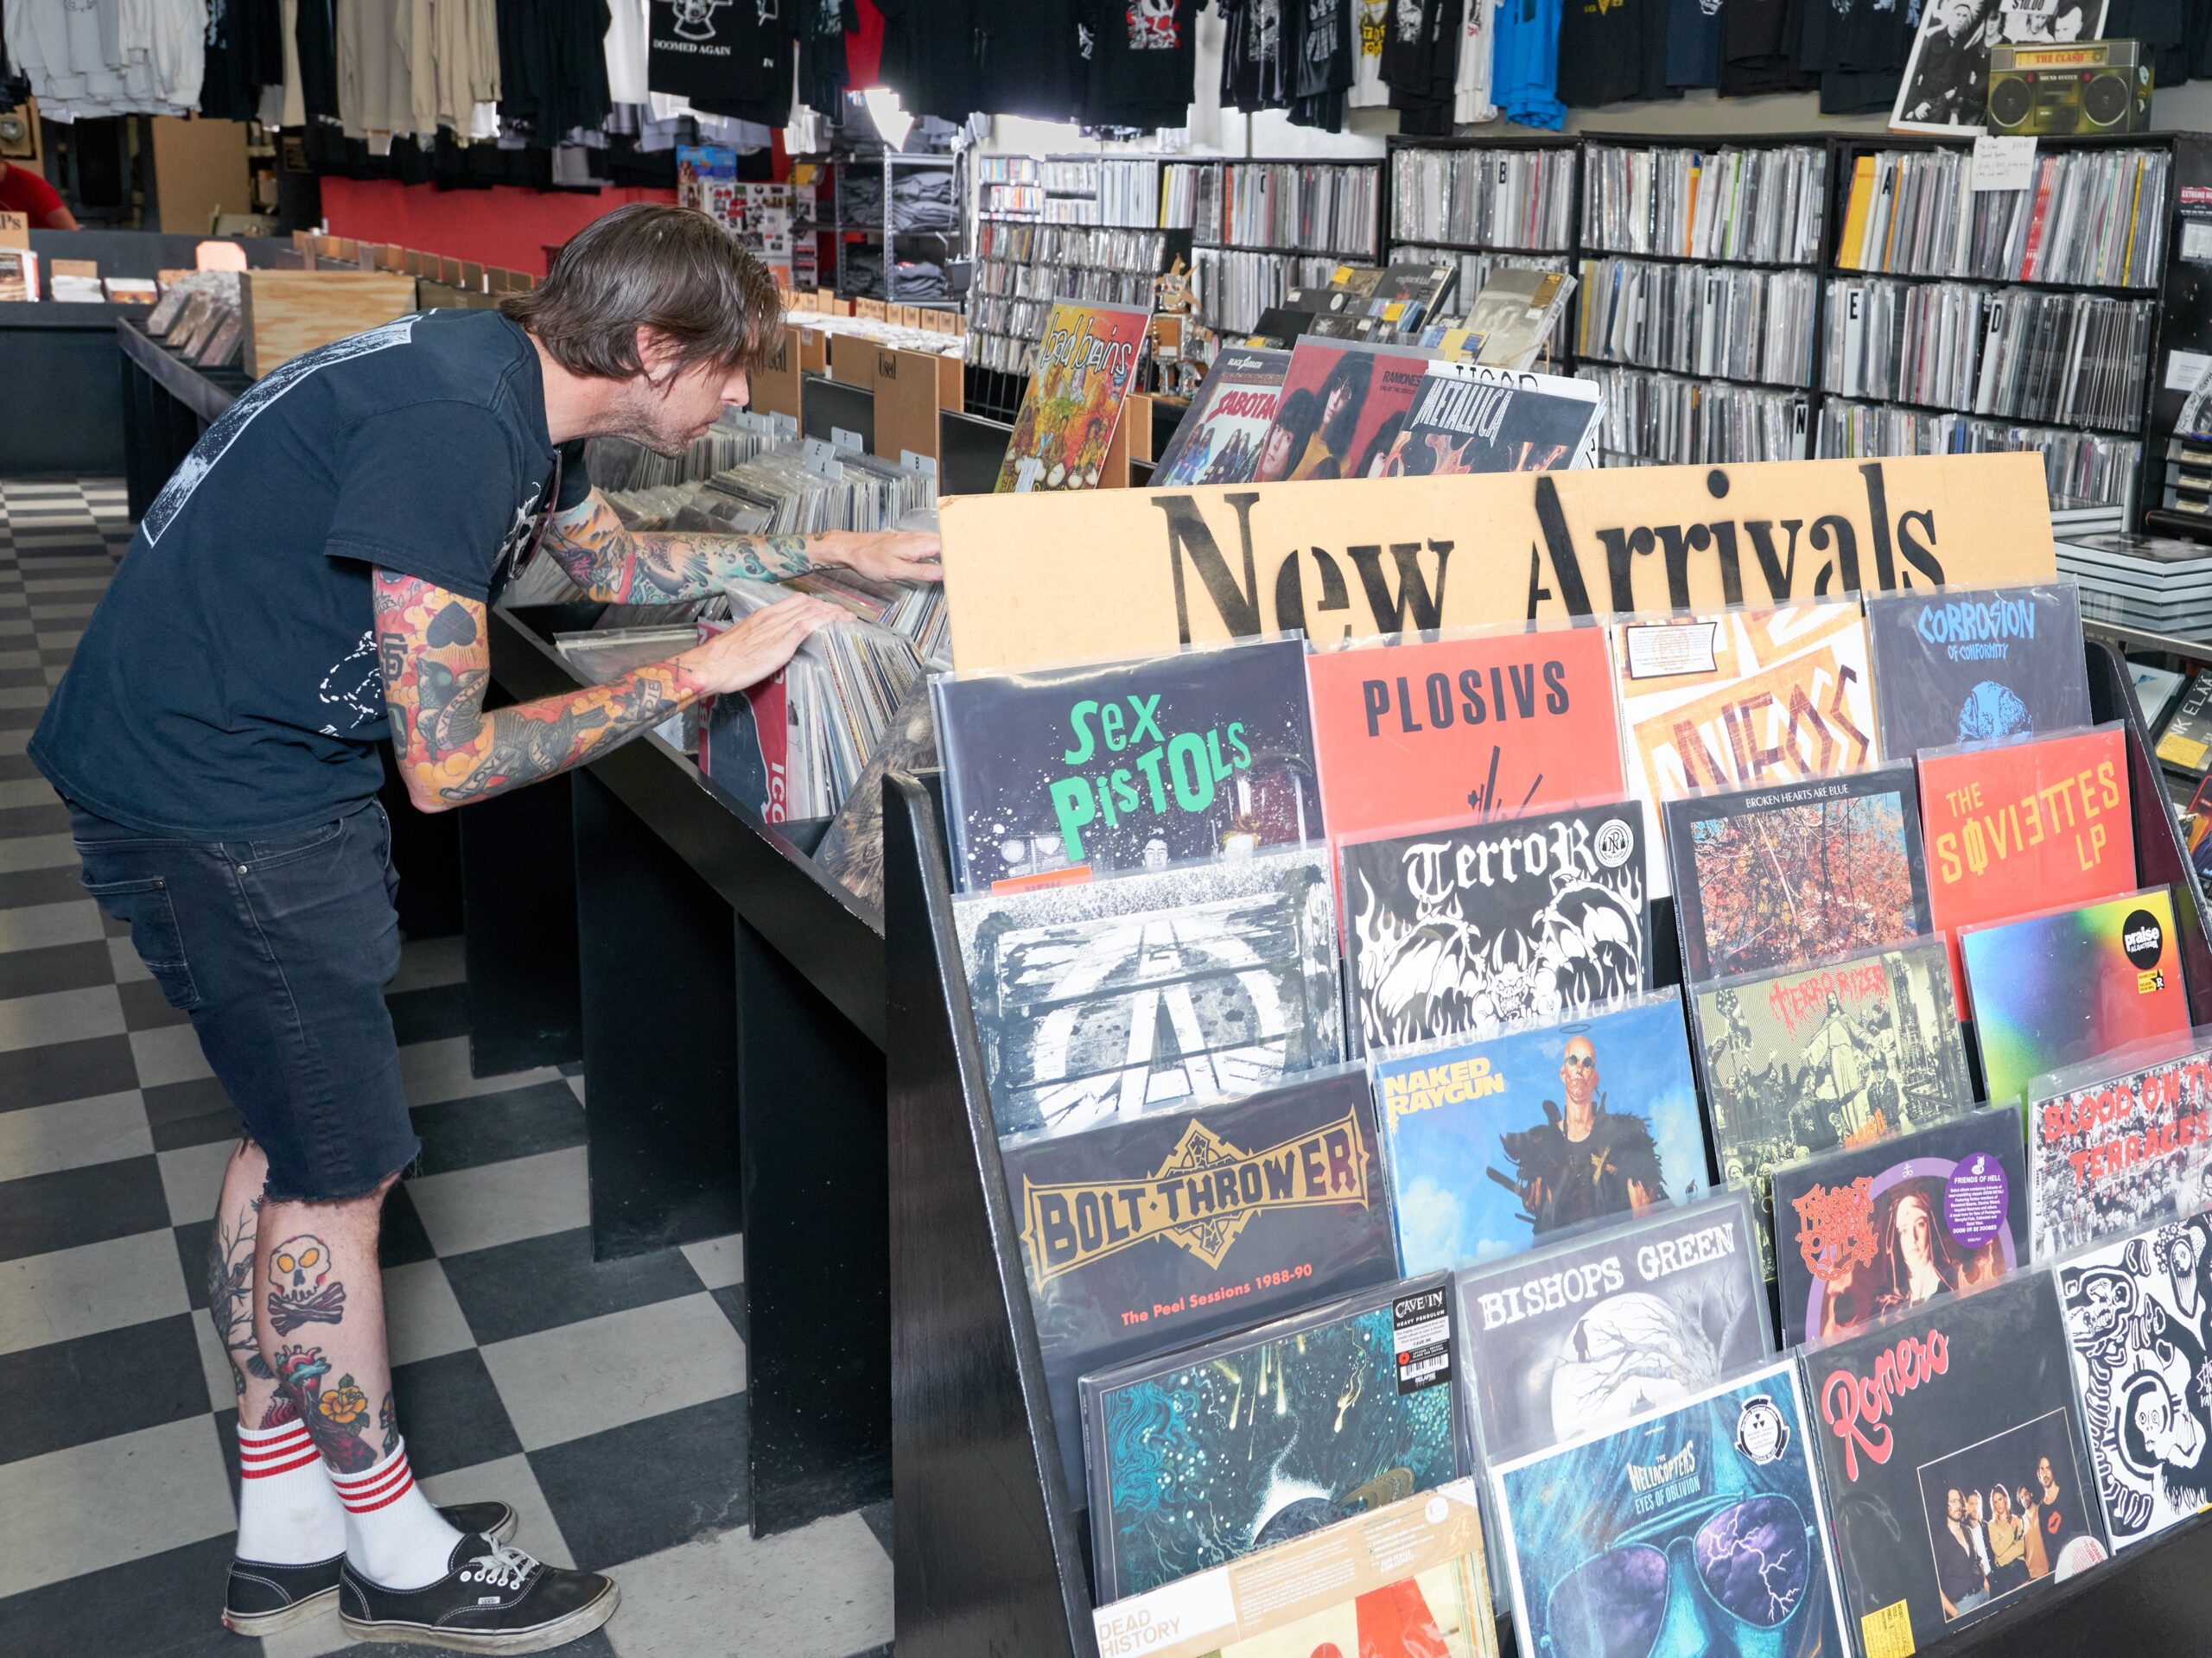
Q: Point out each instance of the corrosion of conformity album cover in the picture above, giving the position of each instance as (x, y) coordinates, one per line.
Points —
(2115, 1143)
(1976, 666)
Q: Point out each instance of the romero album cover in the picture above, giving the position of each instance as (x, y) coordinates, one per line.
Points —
(1219, 441)
(1976, 665)
(1951, 1450)
(2117, 1143)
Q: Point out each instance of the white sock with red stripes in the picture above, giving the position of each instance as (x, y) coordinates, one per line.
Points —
(394, 1537)
(287, 1514)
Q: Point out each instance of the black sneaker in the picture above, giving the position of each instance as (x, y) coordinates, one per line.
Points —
(262, 1599)
(495, 1599)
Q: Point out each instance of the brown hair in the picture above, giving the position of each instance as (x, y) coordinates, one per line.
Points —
(648, 266)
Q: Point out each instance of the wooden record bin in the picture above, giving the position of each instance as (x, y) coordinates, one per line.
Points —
(289, 312)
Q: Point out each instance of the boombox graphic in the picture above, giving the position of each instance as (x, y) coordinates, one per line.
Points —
(2050, 91)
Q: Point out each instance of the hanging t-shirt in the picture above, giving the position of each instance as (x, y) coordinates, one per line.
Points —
(1256, 68)
(1028, 51)
(1471, 91)
(1610, 52)
(1758, 38)
(728, 60)
(1695, 46)
(1325, 48)
(824, 74)
(2162, 26)
(1857, 47)
(1370, 22)
(626, 78)
(1142, 63)
(1524, 73)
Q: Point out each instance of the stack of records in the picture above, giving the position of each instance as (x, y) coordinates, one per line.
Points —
(2086, 472)
(1654, 418)
(1745, 325)
(1331, 208)
(2154, 582)
(737, 434)
(1762, 205)
(1497, 198)
(601, 655)
(1233, 288)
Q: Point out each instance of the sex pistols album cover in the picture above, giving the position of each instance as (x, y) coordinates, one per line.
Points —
(1976, 665)
(2115, 1143)
(1955, 1464)
(1219, 441)
(1140, 1236)
(1131, 764)
(1086, 367)
(2138, 1311)
(1845, 1053)
(1874, 1229)
(1692, 1530)
(1463, 931)
(1203, 1455)
(1492, 1144)
(1767, 878)
(1109, 998)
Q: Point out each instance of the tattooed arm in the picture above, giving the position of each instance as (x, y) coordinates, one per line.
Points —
(436, 662)
(662, 567)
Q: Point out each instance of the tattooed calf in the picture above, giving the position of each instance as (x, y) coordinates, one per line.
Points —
(304, 1291)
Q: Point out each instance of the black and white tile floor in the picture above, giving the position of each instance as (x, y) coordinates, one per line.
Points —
(606, 1402)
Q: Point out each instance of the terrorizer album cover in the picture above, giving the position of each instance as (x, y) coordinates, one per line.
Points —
(1421, 730)
(1492, 1144)
(1952, 1456)
(1565, 1342)
(1111, 998)
(1868, 1230)
(1772, 877)
(1133, 764)
(1464, 931)
(1343, 404)
(1691, 1531)
(1139, 1237)
(1203, 1455)
(1468, 417)
(1219, 441)
(1845, 1053)
(2139, 1314)
(1086, 367)
(2117, 1142)
(1976, 665)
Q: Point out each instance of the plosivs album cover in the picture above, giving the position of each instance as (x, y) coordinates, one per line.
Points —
(2117, 1143)
(1976, 665)
(1219, 441)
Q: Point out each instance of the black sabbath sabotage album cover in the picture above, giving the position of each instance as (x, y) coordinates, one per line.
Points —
(1139, 1237)
(1952, 1455)
(1218, 440)
(1131, 764)
(1111, 998)
(1459, 931)
(1576, 1339)
(1972, 665)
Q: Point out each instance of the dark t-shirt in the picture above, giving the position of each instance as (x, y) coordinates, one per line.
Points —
(1143, 62)
(1612, 52)
(728, 59)
(1695, 47)
(228, 684)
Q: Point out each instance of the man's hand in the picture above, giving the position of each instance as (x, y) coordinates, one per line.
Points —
(747, 652)
(888, 555)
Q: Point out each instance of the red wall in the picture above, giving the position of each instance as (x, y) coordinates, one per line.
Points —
(503, 225)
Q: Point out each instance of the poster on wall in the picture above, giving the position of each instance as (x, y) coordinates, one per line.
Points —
(1946, 86)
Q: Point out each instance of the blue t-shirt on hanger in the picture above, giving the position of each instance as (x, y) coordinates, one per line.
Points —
(1524, 69)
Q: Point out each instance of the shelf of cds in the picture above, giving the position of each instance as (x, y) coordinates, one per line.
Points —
(1020, 268)
(1261, 228)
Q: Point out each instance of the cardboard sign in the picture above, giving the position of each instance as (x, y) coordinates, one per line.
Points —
(1030, 580)
(15, 230)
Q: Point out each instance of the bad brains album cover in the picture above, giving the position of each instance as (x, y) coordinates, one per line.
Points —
(1085, 365)
(1977, 665)
(2114, 1144)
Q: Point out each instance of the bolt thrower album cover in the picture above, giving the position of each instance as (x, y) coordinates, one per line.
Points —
(1219, 441)
(1869, 1230)
(2117, 1143)
(1976, 665)
(1953, 1460)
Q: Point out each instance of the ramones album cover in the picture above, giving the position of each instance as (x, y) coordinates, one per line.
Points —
(1492, 1144)
(2116, 1143)
(1206, 1454)
(1959, 665)
(1343, 404)
(1219, 441)
(1772, 877)
(1140, 1236)
(1109, 998)
(1849, 1052)
(1870, 1230)
(1563, 1343)
(1463, 931)
(1143, 763)
(1956, 1471)
(1691, 1531)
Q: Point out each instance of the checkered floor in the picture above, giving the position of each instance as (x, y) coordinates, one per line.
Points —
(606, 1402)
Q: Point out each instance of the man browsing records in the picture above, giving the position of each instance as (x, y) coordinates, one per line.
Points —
(312, 579)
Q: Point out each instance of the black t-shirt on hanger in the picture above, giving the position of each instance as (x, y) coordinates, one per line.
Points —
(315, 38)
(1255, 65)
(2164, 26)
(1858, 48)
(1612, 52)
(1142, 70)
(1695, 43)
(824, 71)
(733, 61)
(1028, 52)
(1324, 49)
(1759, 47)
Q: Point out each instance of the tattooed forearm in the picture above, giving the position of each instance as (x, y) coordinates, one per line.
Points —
(662, 567)
(230, 1294)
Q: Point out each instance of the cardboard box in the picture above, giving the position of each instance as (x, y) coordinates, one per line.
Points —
(852, 361)
(288, 311)
(775, 383)
(912, 387)
(15, 230)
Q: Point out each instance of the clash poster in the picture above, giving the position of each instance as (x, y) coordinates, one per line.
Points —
(1219, 439)
(1344, 403)
(1086, 363)
(2116, 1144)
(1976, 666)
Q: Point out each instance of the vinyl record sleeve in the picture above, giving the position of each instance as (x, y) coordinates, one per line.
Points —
(1769, 879)
(2067, 986)
(1970, 666)
(1468, 417)
(1231, 968)
(1868, 1230)
(1131, 764)
(1086, 363)
(1460, 932)
(1847, 1052)
(2118, 1142)
(1140, 1236)
(2185, 746)
(1344, 403)
(1203, 1455)
(1473, 726)
(1570, 1340)
(1219, 441)
(1480, 1137)
(1968, 1394)
(1693, 1529)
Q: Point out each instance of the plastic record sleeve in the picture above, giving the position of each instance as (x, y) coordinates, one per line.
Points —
(2120, 1141)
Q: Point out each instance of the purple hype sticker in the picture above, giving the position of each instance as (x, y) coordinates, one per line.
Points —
(1974, 1200)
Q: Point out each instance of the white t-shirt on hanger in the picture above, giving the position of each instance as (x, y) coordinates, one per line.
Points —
(626, 51)
(1470, 92)
(1370, 22)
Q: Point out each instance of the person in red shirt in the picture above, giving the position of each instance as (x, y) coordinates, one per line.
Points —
(22, 191)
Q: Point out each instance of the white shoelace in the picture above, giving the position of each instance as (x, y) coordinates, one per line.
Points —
(504, 1567)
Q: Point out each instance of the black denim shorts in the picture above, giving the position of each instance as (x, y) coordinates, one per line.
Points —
(279, 949)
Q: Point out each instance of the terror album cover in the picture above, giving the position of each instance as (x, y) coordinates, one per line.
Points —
(1976, 665)
(2114, 1144)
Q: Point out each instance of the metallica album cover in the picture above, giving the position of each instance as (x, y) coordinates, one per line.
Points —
(1055, 773)
(1767, 878)
(1140, 1236)
(2070, 986)
(1958, 1479)
(1565, 1342)
(2116, 1143)
(1111, 998)
(1692, 1530)
(1843, 1054)
(1975, 665)
(1202, 1455)
(1463, 931)
(1467, 417)
(1492, 1144)
(1874, 1229)
(2139, 1312)
(1219, 441)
